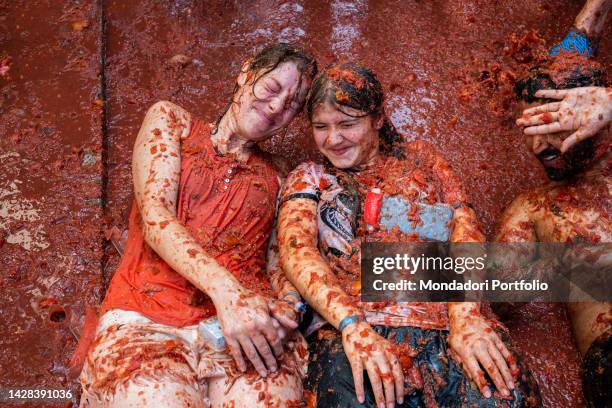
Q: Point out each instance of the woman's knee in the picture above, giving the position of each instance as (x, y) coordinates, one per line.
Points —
(145, 392)
(280, 389)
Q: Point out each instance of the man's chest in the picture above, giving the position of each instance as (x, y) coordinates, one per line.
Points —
(579, 212)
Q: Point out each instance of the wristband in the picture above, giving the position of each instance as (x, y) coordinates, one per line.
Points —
(294, 295)
(574, 42)
(347, 321)
(300, 304)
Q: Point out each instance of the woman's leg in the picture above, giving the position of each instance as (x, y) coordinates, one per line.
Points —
(280, 389)
(134, 362)
(330, 378)
(446, 383)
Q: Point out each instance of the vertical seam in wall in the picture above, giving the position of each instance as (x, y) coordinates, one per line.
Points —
(105, 141)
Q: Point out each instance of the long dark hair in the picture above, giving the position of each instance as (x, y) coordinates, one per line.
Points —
(355, 86)
(267, 60)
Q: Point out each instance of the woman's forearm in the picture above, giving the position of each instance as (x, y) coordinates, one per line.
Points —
(169, 238)
(306, 268)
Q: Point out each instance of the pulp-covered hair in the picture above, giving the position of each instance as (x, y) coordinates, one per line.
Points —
(355, 86)
(269, 58)
(564, 72)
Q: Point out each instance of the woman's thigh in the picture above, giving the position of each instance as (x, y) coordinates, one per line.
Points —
(143, 392)
(281, 389)
(138, 364)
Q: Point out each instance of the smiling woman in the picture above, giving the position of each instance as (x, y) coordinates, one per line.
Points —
(199, 229)
(415, 354)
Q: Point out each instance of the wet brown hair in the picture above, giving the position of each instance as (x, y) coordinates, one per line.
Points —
(267, 60)
(355, 86)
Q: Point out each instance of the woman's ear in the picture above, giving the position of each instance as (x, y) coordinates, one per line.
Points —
(245, 73)
(379, 119)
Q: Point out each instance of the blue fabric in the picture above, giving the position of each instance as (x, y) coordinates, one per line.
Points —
(574, 42)
(435, 218)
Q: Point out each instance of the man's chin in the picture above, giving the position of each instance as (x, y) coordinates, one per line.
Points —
(561, 173)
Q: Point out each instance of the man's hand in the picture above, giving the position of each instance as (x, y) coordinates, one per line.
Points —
(366, 349)
(474, 343)
(583, 110)
(249, 327)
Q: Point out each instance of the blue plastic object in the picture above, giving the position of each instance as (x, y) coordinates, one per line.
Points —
(435, 218)
(574, 42)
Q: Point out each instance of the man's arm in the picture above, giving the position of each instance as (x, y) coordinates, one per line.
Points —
(592, 18)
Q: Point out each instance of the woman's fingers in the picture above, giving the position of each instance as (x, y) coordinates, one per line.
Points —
(398, 377)
(543, 129)
(376, 383)
(552, 93)
(507, 356)
(547, 107)
(500, 361)
(285, 317)
(272, 336)
(386, 376)
(251, 353)
(487, 362)
(473, 368)
(541, 119)
(264, 350)
(576, 137)
(357, 368)
(235, 352)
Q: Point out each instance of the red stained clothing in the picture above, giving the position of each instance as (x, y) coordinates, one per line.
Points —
(228, 207)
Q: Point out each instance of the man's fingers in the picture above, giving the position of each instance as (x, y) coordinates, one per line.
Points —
(473, 368)
(251, 353)
(576, 137)
(551, 93)
(543, 129)
(264, 350)
(487, 362)
(398, 377)
(501, 365)
(376, 383)
(547, 107)
(357, 369)
(541, 119)
(235, 352)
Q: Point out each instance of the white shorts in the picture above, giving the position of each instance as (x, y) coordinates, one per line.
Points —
(134, 361)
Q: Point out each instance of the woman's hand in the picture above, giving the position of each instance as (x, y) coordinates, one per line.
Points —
(474, 343)
(249, 327)
(584, 110)
(287, 312)
(366, 349)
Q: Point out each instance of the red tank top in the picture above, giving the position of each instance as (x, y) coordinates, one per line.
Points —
(228, 207)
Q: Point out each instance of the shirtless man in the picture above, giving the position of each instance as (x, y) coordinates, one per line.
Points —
(570, 135)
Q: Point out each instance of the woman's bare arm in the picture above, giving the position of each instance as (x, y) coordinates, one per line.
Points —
(156, 168)
(304, 265)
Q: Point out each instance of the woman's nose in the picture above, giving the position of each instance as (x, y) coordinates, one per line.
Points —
(276, 105)
(333, 138)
